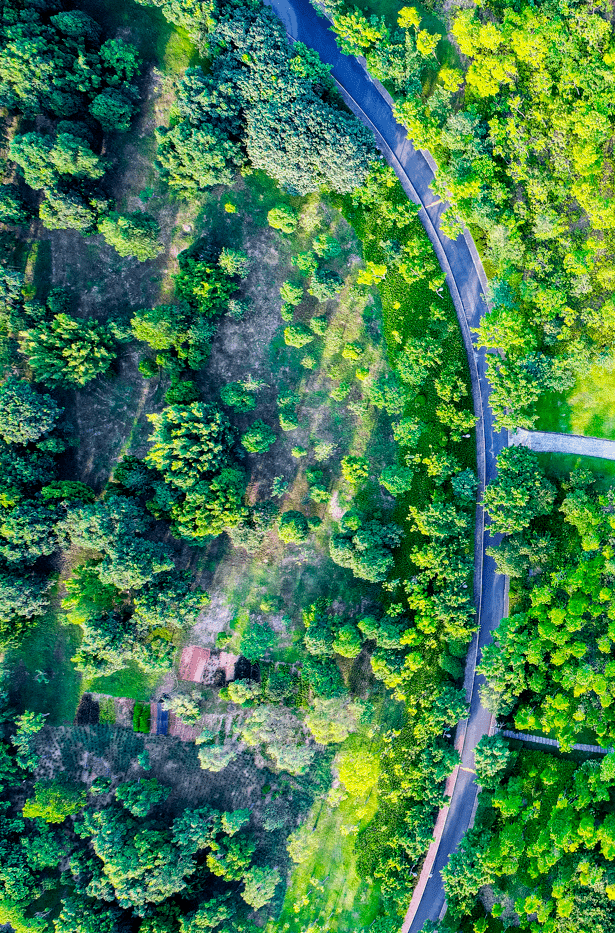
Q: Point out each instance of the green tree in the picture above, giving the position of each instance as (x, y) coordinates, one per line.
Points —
(347, 641)
(256, 641)
(365, 547)
(134, 234)
(293, 527)
(258, 438)
(139, 797)
(355, 470)
(396, 479)
(113, 110)
(236, 395)
(282, 218)
(25, 414)
(259, 886)
(520, 493)
(492, 756)
(189, 443)
(325, 284)
(54, 801)
(67, 350)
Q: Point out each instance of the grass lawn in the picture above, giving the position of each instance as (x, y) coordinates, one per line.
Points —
(326, 891)
(588, 409)
(131, 682)
(559, 466)
(44, 655)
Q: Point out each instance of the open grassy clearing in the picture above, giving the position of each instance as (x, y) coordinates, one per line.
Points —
(588, 409)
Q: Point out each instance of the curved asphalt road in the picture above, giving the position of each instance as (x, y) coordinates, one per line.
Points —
(466, 281)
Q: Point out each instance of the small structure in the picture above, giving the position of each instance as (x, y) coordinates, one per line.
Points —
(193, 663)
(200, 666)
(159, 719)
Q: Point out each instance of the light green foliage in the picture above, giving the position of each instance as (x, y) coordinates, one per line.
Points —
(282, 218)
(355, 470)
(520, 492)
(216, 758)
(68, 350)
(25, 414)
(280, 732)
(259, 886)
(54, 801)
(358, 770)
(134, 234)
(186, 708)
(189, 443)
(234, 262)
(243, 691)
(332, 720)
(297, 335)
(291, 294)
(258, 438)
(293, 527)
(348, 641)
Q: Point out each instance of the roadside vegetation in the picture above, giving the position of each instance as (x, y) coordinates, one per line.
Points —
(235, 415)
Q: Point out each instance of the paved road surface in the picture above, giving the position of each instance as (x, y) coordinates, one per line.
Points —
(466, 280)
(543, 442)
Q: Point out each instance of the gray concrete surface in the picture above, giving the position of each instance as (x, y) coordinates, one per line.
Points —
(467, 283)
(550, 442)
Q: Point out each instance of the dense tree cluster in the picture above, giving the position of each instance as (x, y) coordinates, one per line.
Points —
(128, 598)
(298, 133)
(523, 153)
(57, 64)
(126, 860)
(549, 665)
(544, 843)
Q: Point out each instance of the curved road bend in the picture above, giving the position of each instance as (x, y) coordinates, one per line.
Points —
(466, 281)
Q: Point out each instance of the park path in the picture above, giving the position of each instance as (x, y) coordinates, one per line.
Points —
(548, 442)
(467, 283)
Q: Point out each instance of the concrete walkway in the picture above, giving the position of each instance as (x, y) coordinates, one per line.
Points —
(542, 740)
(547, 442)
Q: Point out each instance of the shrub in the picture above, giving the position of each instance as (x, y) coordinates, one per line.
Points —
(282, 218)
(326, 246)
(396, 479)
(148, 368)
(291, 294)
(297, 335)
(293, 527)
(325, 284)
(237, 396)
(355, 470)
(258, 438)
(319, 325)
(288, 420)
(132, 235)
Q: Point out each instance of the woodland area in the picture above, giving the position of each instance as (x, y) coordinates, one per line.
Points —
(236, 417)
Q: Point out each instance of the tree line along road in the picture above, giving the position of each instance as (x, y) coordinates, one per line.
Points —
(467, 283)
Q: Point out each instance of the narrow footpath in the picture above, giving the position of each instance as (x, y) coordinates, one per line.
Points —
(467, 283)
(553, 443)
